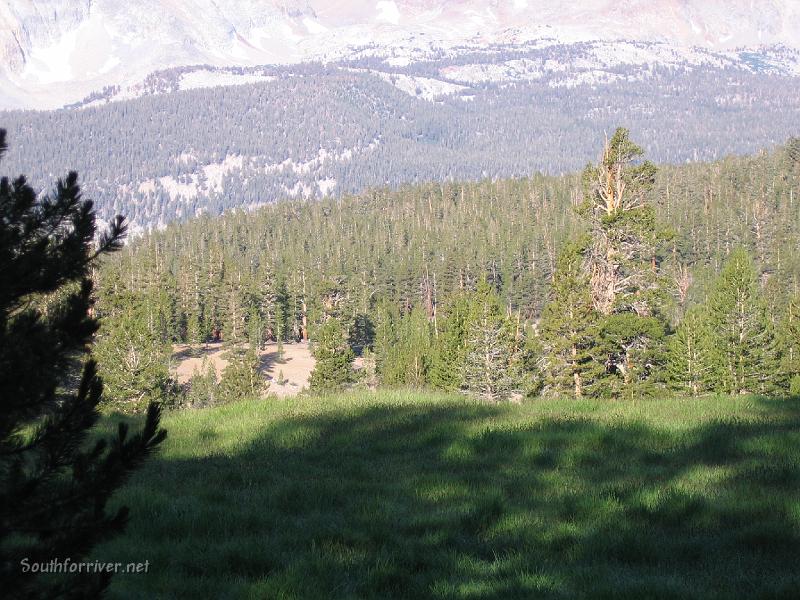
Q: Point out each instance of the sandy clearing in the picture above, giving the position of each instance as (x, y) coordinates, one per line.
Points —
(295, 365)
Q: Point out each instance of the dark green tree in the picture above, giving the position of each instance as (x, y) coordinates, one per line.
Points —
(633, 347)
(450, 349)
(362, 333)
(409, 358)
(689, 353)
(132, 352)
(745, 356)
(53, 486)
(386, 319)
(256, 330)
(241, 378)
(622, 261)
(493, 361)
(402, 345)
(334, 359)
(568, 329)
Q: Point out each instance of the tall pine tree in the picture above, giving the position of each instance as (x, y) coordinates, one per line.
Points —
(53, 487)
(493, 362)
(450, 348)
(622, 262)
(689, 353)
(568, 329)
(745, 351)
(334, 359)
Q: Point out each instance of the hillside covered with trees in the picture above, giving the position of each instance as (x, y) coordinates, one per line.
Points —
(625, 279)
(311, 130)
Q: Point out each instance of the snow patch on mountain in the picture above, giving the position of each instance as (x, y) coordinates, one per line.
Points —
(388, 12)
(208, 180)
(420, 87)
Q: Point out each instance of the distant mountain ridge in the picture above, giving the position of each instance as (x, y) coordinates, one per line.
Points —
(57, 52)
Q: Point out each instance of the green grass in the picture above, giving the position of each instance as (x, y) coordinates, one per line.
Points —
(413, 495)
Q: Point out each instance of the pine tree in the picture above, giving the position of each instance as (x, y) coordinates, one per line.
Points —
(568, 329)
(132, 352)
(745, 352)
(410, 356)
(790, 346)
(282, 311)
(450, 349)
(633, 347)
(689, 353)
(623, 228)
(362, 333)
(202, 390)
(256, 331)
(241, 378)
(403, 346)
(622, 260)
(385, 341)
(492, 366)
(53, 488)
(334, 359)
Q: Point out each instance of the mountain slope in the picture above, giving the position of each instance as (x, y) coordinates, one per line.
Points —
(54, 52)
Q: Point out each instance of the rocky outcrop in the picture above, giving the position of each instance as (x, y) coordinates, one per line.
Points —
(58, 51)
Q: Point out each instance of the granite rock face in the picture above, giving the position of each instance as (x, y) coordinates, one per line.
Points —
(55, 52)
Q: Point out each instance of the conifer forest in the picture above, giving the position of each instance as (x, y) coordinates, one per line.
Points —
(624, 280)
(420, 300)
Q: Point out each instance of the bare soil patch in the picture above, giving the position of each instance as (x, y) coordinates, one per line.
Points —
(293, 366)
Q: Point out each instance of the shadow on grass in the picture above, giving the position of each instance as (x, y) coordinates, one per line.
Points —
(460, 501)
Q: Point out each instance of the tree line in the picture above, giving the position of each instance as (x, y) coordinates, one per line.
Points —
(623, 280)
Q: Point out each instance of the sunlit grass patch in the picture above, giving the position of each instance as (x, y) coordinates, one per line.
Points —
(411, 495)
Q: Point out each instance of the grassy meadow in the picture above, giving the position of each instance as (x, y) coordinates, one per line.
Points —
(418, 495)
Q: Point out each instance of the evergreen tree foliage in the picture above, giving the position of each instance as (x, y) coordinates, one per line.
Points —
(194, 328)
(362, 333)
(386, 318)
(568, 329)
(334, 359)
(492, 365)
(256, 330)
(627, 288)
(790, 344)
(282, 312)
(375, 258)
(689, 353)
(423, 244)
(202, 390)
(132, 352)
(633, 347)
(53, 487)
(745, 356)
(408, 359)
(241, 378)
(451, 346)
(624, 232)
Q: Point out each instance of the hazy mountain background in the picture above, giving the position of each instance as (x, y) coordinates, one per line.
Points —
(178, 107)
(55, 52)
